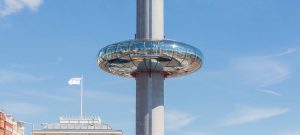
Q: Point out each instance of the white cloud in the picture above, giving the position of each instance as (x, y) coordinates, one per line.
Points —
(288, 51)
(49, 96)
(7, 94)
(59, 60)
(176, 120)
(37, 94)
(109, 97)
(11, 77)
(297, 132)
(4, 23)
(23, 108)
(262, 71)
(245, 114)
(192, 133)
(11, 6)
(270, 92)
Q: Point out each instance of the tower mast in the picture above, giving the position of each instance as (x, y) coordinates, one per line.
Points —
(149, 79)
(150, 19)
(150, 58)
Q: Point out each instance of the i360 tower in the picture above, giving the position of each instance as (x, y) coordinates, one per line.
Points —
(150, 58)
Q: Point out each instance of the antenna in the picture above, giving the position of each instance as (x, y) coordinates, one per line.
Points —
(81, 93)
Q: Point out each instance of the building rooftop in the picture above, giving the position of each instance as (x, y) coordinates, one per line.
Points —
(91, 125)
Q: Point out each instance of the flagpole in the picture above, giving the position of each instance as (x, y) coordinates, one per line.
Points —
(81, 93)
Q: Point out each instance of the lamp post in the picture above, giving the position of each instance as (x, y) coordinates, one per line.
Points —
(32, 126)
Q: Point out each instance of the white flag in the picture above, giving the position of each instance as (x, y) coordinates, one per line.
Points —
(74, 81)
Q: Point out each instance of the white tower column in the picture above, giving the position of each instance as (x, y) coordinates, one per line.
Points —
(150, 19)
(149, 99)
(149, 104)
(149, 80)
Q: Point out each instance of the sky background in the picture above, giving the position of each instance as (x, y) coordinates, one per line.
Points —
(249, 84)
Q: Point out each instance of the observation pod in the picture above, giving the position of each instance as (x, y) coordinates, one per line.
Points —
(176, 58)
(150, 58)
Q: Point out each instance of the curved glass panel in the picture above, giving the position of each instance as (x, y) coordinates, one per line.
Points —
(176, 58)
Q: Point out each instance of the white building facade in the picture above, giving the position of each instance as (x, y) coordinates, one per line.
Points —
(73, 126)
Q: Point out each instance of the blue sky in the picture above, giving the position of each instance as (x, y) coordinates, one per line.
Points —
(249, 84)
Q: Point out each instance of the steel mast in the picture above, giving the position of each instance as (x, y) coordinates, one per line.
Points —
(150, 84)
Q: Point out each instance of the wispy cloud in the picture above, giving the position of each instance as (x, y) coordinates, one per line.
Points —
(8, 7)
(109, 96)
(5, 23)
(176, 120)
(48, 96)
(288, 51)
(245, 114)
(53, 62)
(11, 77)
(262, 71)
(192, 133)
(296, 132)
(59, 60)
(270, 92)
(23, 108)
(7, 94)
(37, 94)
